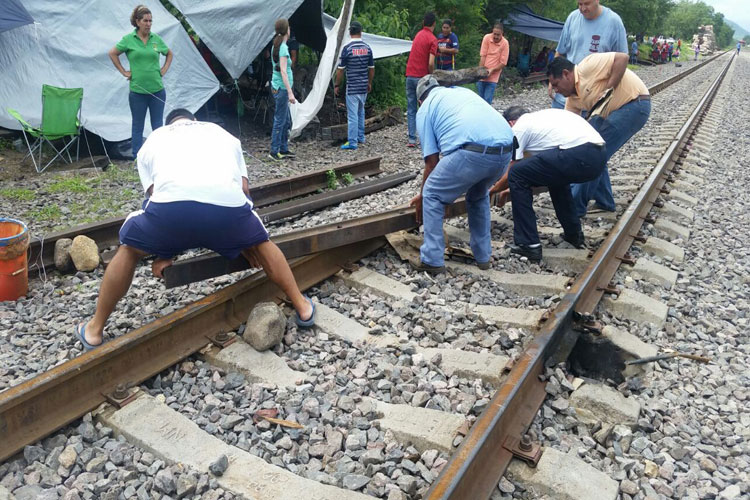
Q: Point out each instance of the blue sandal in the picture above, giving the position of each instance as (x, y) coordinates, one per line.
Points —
(81, 332)
(306, 323)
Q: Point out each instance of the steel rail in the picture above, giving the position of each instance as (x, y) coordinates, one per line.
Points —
(106, 232)
(474, 470)
(39, 406)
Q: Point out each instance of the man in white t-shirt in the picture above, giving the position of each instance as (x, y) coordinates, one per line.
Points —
(554, 149)
(196, 184)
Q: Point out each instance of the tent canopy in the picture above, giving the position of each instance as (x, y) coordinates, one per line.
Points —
(71, 51)
(13, 15)
(523, 20)
(382, 46)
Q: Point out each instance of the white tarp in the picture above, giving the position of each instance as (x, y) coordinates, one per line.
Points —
(338, 36)
(67, 47)
(382, 46)
(235, 30)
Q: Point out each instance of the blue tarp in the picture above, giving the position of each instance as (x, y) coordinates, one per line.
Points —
(523, 20)
(13, 15)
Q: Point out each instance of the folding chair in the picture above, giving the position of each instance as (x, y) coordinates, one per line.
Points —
(61, 119)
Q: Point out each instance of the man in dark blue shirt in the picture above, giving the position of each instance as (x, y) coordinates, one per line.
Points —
(356, 58)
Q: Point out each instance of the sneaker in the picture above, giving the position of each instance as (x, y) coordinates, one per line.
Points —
(483, 265)
(421, 266)
(346, 145)
(533, 253)
(576, 240)
(411, 144)
(287, 154)
(361, 141)
(276, 156)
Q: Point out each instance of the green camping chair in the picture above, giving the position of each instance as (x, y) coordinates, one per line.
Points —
(61, 119)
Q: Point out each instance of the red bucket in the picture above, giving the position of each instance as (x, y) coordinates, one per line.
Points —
(14, 242)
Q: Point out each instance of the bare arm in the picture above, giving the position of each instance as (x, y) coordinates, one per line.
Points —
(370, 76)
(339, 76)
(619, 65)
(282, 66)
(481, 60)
(430, 162)
(114, 56)
(167, 63)
(446, 50)
(245, 186)
(432, 63)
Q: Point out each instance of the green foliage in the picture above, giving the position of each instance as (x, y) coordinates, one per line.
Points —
(347, 178)
(331, 181)
(747, 38)
(70, 185)
(46, 213)
(688, 15)
(17, 194)
(6, 144)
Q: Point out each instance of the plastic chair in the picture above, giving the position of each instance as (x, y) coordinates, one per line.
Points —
(61, 119)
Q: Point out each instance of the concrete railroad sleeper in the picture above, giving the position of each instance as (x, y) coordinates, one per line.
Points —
(45, 403)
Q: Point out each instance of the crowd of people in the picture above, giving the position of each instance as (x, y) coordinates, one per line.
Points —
(469, 148)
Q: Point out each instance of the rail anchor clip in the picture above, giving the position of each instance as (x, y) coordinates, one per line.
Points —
(524, 449)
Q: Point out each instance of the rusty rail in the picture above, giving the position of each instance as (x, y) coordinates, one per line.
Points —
(106, 232)
(476, 467)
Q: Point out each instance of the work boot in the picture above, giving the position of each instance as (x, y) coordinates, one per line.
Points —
(531, 252)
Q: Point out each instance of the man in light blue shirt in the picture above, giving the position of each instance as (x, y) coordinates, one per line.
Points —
(475, 142)
(589, 29)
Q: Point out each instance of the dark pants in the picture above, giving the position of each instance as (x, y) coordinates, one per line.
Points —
(556, 169)
(139, 104)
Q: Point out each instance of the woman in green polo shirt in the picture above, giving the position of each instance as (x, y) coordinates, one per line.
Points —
(142, 48)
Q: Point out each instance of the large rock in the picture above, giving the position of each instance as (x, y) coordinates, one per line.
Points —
(63, 262)
(84, 253)
(265, 326)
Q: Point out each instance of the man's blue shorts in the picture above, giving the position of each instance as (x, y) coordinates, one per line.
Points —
(166, 229)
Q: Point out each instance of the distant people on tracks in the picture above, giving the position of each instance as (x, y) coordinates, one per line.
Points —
(739, 46)
(447, 46)
(475, 142)
(617, 105)
(493, 55)
(592, 28)
(554, 149)
(634, 52)
(356, 58)
(196, 183)
(421, 62)
(142, 48)
(282, 81)
(697, 51)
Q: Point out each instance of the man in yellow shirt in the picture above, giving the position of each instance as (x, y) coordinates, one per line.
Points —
(616, 103)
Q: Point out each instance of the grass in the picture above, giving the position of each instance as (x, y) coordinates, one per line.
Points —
(17, 194)
(331, 181)
(6, 144)
(70, 185)
(46, 213)
(347, 178)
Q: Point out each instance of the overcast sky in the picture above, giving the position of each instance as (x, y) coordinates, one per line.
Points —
(735, 10)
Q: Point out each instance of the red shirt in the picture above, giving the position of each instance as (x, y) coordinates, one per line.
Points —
(424, 44)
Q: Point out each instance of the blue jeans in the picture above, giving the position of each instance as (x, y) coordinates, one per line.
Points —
(486, 90)
(139, 104)
(455, 174)
(556, 169)
(616, 130)
(558, 102)
(281, 121)
(411, 107)
(355, 117)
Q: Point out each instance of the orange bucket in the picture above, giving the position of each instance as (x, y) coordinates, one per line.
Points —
(14, 242)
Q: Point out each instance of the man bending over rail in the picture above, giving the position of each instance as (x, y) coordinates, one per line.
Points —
(475, 143)
(616, 103)
(197, 190)
(560, 148)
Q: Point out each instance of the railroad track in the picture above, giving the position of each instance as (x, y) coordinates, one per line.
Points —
(35, 408)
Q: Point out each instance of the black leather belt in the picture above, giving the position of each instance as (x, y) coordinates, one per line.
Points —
(643, 97)
(488, 150)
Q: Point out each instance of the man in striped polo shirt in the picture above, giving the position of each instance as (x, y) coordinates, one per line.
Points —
(356, 58)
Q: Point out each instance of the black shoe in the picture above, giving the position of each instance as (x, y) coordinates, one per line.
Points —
(532, 253)
(421, 266)
(483, 265)
(276, 156)
(287, 154)
(577, 241)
